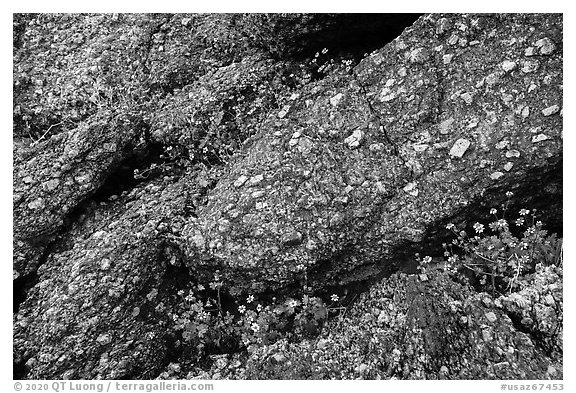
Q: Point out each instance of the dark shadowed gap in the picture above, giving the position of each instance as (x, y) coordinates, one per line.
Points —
(122, 179)
(353, 34)
(540, 189)
(351, 37)
(20, 288)
(372, 32)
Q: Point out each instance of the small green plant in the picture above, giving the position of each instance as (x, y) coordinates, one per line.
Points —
(205, 325)
(494, 258)
(292, 319)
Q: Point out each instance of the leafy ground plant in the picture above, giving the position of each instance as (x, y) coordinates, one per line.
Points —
(498, 254)
(519, 264)
(207, 324)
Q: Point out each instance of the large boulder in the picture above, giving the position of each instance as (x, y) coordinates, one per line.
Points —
(270, 185)
(341, 182)
(97, 85)
(53, 177)
(99, 309)
(96, 97)
(405, 328)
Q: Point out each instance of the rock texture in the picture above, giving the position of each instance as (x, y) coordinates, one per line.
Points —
(421, 131)
(408, 329)
(52, 178)
(98, 309)
(152, 152)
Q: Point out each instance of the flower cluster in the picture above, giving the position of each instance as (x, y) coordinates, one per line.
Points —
(496, 261)
(204, 324)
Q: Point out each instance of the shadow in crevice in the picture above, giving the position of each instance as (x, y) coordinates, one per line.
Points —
(540, 189)
(120, 180)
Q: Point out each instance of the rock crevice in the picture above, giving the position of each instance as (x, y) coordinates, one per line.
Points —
(189, 149)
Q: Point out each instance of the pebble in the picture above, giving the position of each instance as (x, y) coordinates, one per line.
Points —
(336, 220)
(530, 66)
(459, 147)
(546, 46)
(446, 59)
(256, 179)
(336, 99)
(467, 97)
(388, 97)
(508, 166)
(362, 368)
(240, 181)
(27, 179)
(473, 124)
(82, 179)
(374, 147)
(411, 189)
(492, 79)
(105, 264)
(198, 240)
(353, 141)
(539, 138)
(292, 238)
(284, 111)
(512, 153)
(487, 335)
(508, 65)
(258, 194)
(502, 144)
(441, 145)
(36, 204)
(445, 126)
(322, 343)
(109, 147)
(380, 187)
(442, 26)
(418, 55)
(496, 175)
(51, 185)
(551, 110)
(104, 339)
(507, 98)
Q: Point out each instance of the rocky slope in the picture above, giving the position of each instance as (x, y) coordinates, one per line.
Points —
(158, 153)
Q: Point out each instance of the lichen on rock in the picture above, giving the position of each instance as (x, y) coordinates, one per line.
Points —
(169, 166)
